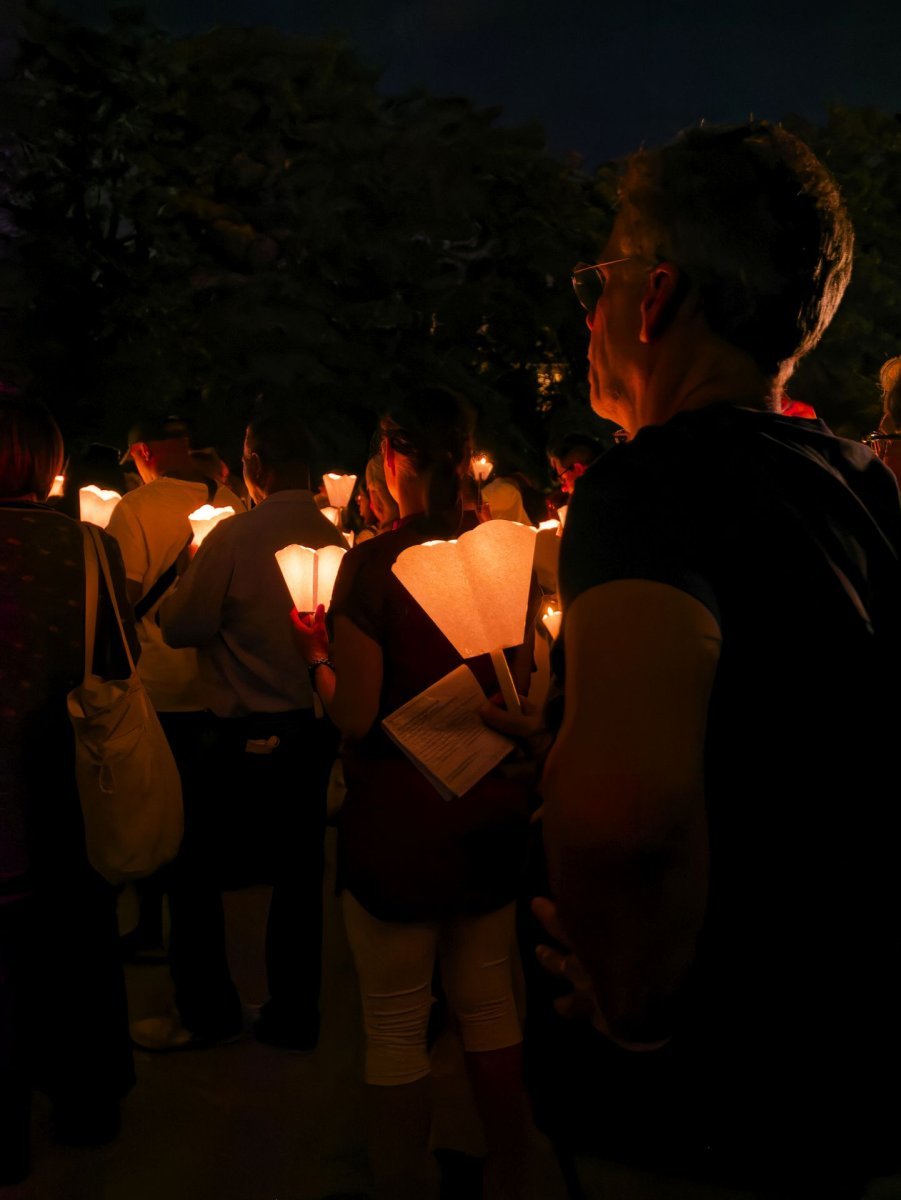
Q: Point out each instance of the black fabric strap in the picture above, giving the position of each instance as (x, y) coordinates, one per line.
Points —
(168, 577)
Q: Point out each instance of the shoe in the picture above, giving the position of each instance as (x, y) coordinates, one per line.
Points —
(163, 1035)
(302, 1039)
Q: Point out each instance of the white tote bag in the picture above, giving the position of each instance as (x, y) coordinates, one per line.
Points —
(127, 778)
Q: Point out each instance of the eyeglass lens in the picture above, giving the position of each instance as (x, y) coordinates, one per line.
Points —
(588, 284)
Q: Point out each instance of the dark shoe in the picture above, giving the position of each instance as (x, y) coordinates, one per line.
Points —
(164, 1035)
(302, 1038)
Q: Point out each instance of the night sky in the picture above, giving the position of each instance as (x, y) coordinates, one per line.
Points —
(602, 78)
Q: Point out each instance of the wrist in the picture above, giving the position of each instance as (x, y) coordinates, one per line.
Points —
(321, 660)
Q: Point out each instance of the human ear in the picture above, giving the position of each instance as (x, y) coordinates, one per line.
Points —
(660, 300)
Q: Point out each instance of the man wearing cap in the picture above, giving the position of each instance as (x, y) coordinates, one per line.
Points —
(153, 531)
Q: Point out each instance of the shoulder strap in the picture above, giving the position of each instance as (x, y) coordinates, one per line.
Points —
(91, 596)
(168, 577)
(100, 557)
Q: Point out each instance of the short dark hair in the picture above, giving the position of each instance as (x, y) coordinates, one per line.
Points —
(280, 438)
(757, 224)
(31, 447)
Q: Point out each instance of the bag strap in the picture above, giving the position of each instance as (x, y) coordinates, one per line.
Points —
(100, 557)
(91, 597)
(168, 577)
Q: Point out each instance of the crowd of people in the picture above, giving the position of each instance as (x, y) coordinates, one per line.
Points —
(693, 844)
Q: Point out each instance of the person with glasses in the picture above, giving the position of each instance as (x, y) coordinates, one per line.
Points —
(723, 900)
(885, 442)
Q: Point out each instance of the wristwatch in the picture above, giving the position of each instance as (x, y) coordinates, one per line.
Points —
(314, 666)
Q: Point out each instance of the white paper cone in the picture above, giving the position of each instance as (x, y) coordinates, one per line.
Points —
(96, 505)
(339, 488)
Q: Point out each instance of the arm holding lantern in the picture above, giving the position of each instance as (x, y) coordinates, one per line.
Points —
(348, 680)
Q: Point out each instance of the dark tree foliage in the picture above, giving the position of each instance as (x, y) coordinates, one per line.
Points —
(195, 222)
(862, 148)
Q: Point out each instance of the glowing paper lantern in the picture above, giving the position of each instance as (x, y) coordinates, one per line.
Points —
(339, 488)
(58, 487)
(482, 467)
(476, 590)
(310, 574)
(547, 554)
(204, 518)
(332, 514)
(551, 619)
(96, 505)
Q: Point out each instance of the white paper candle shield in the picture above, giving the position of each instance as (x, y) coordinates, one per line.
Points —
(547, 554)
(203, 519)
(331, 514)
(481, 468)
(96, 505)
(476, 590)
(58, 487)
(310, 574)
(339, 489)
(551, 618)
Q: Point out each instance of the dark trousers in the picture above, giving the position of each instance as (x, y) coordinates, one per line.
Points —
(255, 791)
(63, 1014)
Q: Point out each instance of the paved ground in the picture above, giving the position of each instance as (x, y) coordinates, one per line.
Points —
(248, 1122)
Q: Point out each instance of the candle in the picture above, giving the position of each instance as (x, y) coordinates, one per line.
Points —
(561, 513)
(332, 514)
(476, 590)
(481, 468)
(551, 619)
(339, 488)
(96, 505)
(58, 487)
(310, 574)
(203, 519)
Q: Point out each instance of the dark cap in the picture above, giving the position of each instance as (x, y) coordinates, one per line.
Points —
(156, 429)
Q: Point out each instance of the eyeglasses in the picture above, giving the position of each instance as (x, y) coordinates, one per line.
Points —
(879, 442)
(588, 282)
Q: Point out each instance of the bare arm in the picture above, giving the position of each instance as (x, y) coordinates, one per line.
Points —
(624, 817)
(350, 690)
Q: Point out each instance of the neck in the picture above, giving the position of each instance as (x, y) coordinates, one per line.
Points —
(706, 374)
(411, 495)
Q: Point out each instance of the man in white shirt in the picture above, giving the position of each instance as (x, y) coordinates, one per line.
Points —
(273, 756)
(153, 531)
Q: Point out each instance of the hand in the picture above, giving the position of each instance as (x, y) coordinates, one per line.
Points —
(313, 635)
(581, 1001)
(524, 724)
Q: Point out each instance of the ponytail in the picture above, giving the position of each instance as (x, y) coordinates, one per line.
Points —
(431, 428)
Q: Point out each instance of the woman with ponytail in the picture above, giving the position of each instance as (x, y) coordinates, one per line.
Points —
(421, 878)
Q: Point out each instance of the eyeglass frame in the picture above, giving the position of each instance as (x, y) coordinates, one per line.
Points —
(601, 283)
(873, 440)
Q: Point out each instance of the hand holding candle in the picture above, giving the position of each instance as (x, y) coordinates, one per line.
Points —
(312, 632)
